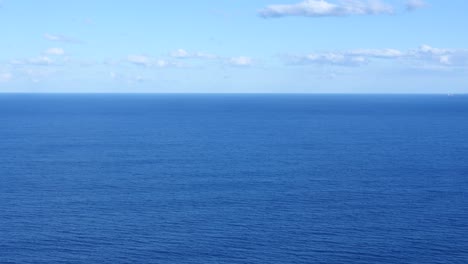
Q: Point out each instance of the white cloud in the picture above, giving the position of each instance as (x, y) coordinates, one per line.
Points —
(5, 77)
(321, 8)
(60, 38)
(55, 51)
(139, 60)
(241, 61)
(412, 5)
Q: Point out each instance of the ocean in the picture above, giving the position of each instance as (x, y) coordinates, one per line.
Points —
(233, 178)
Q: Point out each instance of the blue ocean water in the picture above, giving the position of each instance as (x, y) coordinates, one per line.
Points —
(233, 179)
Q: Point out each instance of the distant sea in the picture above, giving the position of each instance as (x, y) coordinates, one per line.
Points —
(233, 179)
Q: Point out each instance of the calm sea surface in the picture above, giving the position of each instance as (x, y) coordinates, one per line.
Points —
(233, 179)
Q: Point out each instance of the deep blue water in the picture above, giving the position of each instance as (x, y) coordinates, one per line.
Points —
(233, 179)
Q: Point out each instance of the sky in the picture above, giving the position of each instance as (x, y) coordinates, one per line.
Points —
(234, 46)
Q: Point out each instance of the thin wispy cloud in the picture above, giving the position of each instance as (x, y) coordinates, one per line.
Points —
(353, 58)
(322, 8)
(60, 38)
(140, 60)
(164, 63)
(55, 51)
(41, 60)
(236, 61)
(241, 61)
(127, 78)
(35, 61)
(147, 61)
(328, 58)
(184, 54)
(5, 77)
(447, 57)
(180, 53)
(412, 5)
(115, 76)
(38, 74)
(377, 53)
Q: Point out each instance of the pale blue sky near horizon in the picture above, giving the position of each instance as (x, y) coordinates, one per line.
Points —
(271, 46)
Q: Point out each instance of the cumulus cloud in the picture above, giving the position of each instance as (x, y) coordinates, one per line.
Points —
(60, 38)
(55, 51)
(321, 8)
(241, 61)
(5, 77)
(412, 5)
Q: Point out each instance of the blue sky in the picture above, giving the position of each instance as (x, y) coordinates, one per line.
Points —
(225, 46)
